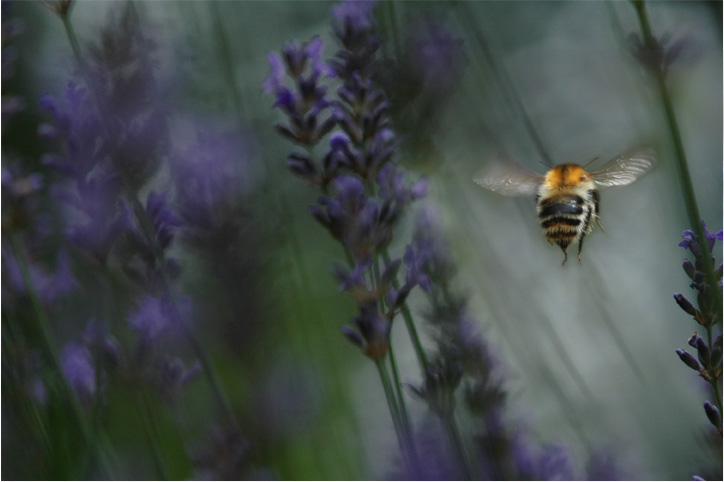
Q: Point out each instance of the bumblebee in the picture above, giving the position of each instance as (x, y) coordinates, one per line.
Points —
(566, 197)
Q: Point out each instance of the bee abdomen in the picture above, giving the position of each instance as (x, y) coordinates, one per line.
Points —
(560, 223)
(561, 217)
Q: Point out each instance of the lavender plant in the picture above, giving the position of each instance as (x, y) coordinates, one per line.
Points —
(364, 192)
(657, 56)
(708, 360)
(109, 138)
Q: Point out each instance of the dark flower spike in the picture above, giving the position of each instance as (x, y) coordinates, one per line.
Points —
(354, 281)
(685, 304)
(712, 413)
(374, 333)
(690, 242)
(442, 379)
(703, 352)
(163, 218)
(688, 359)
(303, 104)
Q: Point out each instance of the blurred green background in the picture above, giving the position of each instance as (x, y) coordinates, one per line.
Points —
(587, 350)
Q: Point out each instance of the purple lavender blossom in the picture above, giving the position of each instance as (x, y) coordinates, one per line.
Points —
(353, 23)
(225, 454)
(157, 318)
(692, 244)
(173, 376)
(49, 284)
(373, 335)
(77, 364)
(144, 252)
(211, 178)
(708, 360)
(77, 128)
(305, 104)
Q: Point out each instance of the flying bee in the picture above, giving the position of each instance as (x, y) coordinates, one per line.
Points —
(566, 197)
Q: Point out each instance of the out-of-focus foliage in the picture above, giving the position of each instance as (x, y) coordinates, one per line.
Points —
(172, 309)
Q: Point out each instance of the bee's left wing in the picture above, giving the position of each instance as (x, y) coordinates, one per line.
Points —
(626, 168)
(508, 177)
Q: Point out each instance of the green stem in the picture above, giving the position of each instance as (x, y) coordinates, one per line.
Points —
(456, 441)
(402, 440)
(404, 418)
(714, 381)
(692, 208)
(142, 406)
(398, 391)
(224, 53)
(409, 322)
(505, 83)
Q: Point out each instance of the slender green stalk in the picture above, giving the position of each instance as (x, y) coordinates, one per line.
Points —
(505, 83)
(150, 429)
(409, 322)
(224, 52)
(402, 439)
(453, 432)
(714, 381)
(399, 393)
(687, 188)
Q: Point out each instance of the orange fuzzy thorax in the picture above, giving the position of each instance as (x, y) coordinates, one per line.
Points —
(566, 176)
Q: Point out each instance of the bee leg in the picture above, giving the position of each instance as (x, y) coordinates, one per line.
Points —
(565, 258)
(580, 248)
(598, 221)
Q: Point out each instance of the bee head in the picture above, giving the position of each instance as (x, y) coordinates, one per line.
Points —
(566, 175)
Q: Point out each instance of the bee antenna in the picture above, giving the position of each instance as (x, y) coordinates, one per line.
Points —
(589, 162)
(546, 163)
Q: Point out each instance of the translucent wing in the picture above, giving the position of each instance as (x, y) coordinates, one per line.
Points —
(508, 177)
(626, 168)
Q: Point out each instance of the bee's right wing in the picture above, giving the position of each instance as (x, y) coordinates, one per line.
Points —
(508, 177)
(626, 168)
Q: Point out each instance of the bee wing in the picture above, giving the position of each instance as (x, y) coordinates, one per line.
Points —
(626, 168)
(508, 177)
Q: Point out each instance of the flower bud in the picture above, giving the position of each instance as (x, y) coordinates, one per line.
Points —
(712, 413)
(688, 359)
(685, 304)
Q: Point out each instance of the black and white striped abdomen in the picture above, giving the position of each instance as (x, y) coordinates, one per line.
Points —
(566, 216)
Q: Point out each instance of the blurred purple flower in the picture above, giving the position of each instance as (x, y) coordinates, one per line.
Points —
(77, 128)
(414, 263)
(373, 335)
(225, 455)
(77, 364)
(49, 285)
(436, 58)
(353, 23)
(156, 318)
(212, 177)
(144, 252)
(173, 377)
